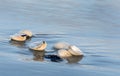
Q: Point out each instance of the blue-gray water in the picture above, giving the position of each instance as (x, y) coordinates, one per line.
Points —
(92, 25)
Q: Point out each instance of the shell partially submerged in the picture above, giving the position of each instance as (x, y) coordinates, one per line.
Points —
(18, 37)
(61, 45)
(38, 46)
(71, 51)
(73, 54)
(38, 55)
(64, 53)
(22, 35)
(26, 32)
(75, 50)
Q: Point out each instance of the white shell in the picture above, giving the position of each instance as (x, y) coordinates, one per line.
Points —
(75, 50)
(27, 32)
(64, 53)
(39, 46)
(61, 45)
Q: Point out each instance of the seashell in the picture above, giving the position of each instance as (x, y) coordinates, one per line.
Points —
(26, 32)
(75, 50)
(22, 35)
(64, 53)
(18, 37)
(61, 45)
(38, 46)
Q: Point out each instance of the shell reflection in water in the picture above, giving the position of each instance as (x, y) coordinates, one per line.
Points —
(17, 44)
(74, 59)
(53, 58)
(38, 55)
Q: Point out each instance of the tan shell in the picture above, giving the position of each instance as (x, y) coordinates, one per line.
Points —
(64, 53)
(75, 50)
(38, 46)
(18, 38)
(61, 45)
(27, 32)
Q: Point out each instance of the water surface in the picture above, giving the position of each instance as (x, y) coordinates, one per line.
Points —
(92, 25)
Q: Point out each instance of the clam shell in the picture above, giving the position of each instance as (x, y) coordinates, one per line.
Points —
(64, 53)
(75, 50)
(61, 45)
(39, 46)
(27, 32)
(17, 37)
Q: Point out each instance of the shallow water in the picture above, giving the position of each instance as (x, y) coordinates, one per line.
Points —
(92, 25)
